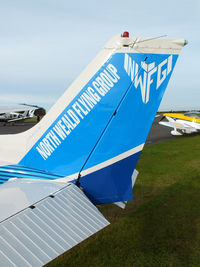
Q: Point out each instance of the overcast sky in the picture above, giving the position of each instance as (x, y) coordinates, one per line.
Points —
(45, 44)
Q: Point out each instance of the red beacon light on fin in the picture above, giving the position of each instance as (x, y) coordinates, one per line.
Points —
(125, 34)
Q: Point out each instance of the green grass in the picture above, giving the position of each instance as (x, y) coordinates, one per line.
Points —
(161, 226)
(31, 120)
(34, 119)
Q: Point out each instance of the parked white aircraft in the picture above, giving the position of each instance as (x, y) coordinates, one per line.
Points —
(84, 151)
(182, 123)
(13, 113)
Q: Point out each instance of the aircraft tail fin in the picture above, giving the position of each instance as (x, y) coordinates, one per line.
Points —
(95, 132)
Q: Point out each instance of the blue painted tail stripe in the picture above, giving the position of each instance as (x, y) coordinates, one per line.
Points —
(16, 171)
(100, 188)
(65, 146)
(102, 122)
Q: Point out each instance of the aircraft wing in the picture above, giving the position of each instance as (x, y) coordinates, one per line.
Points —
(180, 124)
(36, 228)
(19, 119)
(15, 108)
(191, 125)
(173, 124)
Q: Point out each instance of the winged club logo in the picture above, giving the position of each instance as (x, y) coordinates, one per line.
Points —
(143, 75)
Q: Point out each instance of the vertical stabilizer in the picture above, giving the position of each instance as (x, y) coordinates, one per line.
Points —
(97, 129)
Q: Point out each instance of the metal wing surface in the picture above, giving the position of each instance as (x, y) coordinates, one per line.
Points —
(15, 108)
(40, 220)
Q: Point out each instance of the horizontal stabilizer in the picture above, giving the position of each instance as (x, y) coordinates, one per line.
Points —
(45, 230)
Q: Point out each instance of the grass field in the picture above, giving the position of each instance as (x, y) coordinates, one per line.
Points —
(34, 119)
(161, 226)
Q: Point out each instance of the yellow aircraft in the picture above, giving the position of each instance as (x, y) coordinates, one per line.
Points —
(182, 123)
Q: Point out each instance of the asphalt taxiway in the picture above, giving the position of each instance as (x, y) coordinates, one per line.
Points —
(15, 128)
(157, 133)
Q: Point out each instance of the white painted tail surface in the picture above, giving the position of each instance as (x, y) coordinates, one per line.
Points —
(14, 147)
